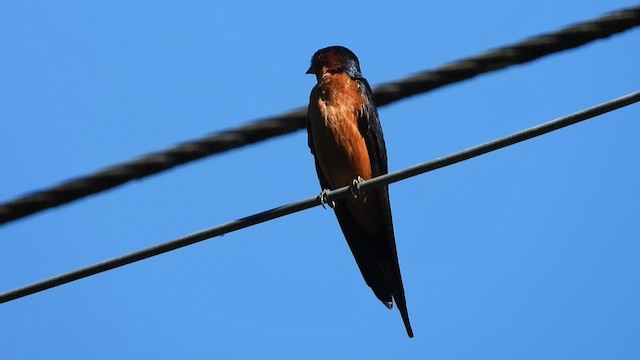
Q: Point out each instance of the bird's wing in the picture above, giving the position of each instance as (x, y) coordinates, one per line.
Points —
(371, 130)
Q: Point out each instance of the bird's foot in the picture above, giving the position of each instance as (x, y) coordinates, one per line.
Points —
(355, 188)
(324, 200)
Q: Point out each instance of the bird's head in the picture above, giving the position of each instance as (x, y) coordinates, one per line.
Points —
(334, 60)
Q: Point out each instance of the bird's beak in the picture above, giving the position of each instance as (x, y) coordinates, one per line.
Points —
(310, 71)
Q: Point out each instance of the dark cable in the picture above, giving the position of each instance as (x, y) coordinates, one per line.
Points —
(251, 133)
(331, 196)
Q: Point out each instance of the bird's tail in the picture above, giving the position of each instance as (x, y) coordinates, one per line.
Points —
(402, 306)
(399, 298)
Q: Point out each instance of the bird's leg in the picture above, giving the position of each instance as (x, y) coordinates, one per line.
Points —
(355, 187)
(324, 200)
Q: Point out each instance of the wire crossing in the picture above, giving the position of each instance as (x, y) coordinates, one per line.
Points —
(333, 195)
(525, 51)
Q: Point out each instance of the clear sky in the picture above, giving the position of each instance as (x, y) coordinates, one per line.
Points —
(530, 252)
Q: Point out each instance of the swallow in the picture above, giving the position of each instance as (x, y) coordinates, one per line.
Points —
(345, 138)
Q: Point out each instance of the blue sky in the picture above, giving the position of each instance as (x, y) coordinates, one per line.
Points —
(529, 252)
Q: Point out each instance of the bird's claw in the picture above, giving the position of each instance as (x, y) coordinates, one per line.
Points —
(356, 192)
(324, 200)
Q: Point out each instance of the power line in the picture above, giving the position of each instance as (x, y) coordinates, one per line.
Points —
(528, 50)
(519, 53)
(333, 195)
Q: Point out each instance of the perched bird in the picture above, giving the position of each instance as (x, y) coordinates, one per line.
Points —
(346, 140)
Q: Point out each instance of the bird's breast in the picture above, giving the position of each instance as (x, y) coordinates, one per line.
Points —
(340, 148)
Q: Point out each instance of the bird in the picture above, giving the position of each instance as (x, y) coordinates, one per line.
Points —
(345, 138)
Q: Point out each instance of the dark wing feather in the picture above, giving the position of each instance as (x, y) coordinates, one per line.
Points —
(360, 245)
(371, 130)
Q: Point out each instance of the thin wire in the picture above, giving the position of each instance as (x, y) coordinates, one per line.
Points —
(257, 131)
(333, 195)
